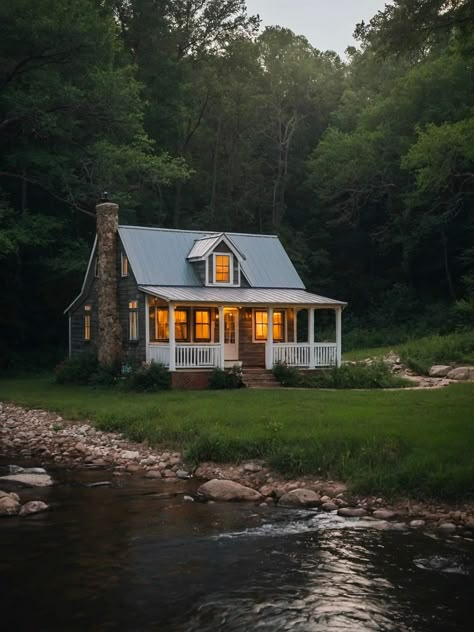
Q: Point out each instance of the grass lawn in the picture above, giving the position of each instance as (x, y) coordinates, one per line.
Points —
(419, 443)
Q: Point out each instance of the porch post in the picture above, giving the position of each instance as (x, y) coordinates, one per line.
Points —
(221, 337)
(269, 346)
(338, 336)
(172, 344)
(311, 337)
(295, 325)
(147, 330)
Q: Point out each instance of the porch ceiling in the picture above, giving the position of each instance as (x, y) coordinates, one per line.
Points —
(239, 296)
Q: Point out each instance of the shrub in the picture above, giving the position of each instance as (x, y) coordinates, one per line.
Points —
(77, 369)
(421, 354)
(287, 375)
(221, 379)
(148, 378)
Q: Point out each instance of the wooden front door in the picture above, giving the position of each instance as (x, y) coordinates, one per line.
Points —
(231, 334)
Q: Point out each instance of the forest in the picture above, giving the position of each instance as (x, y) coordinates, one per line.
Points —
(190, 115)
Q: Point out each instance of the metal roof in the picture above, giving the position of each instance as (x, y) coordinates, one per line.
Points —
(158, 257)
(240, 296)
(202, 246)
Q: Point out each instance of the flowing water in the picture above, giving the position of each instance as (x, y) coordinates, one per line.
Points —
(139, 555)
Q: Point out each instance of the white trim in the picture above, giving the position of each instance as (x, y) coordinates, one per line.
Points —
(147, 329)
(221, 336)
(338, 336)
(311, 336)
(269, 344)
(237, 332)
(231, 269)
(215, 241)
(85, 278)
(172, 337)
(276, 308)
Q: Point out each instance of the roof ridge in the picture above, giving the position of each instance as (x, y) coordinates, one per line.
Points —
(203, 232)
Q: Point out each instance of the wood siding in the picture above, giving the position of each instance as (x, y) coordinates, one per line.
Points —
(251, 354)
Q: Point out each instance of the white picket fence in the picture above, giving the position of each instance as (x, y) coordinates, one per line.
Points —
(187, 356)
(305, 355)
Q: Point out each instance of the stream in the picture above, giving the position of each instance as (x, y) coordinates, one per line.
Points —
(140, 555)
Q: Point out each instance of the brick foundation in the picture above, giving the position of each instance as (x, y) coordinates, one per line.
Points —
(190, 380)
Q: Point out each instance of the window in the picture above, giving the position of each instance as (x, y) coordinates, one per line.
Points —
(222, 271)
(124, 265)
(181, 324)
(161, 324)
(261, 325)
(133, 320)
(87, 322)
(202, 325)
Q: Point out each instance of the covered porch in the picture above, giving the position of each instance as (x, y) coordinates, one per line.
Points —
(195, 335)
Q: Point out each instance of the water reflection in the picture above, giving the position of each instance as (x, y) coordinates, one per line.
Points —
(136, 556)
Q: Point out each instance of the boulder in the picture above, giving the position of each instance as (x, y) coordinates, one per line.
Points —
(352, 512)
(8, 506)
(130, 455)
(300, 498)
(383, 514)
(218, 489)
(182, 474)
(28, 480)
(447, 528)
(153, 474)
(329, 506)
(32, 507)
(440, 370)
(461, 373)
(417, 524)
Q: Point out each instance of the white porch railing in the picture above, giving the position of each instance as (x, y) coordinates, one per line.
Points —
(186, 356)
(304, 354)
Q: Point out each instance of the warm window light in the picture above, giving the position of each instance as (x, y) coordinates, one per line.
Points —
(261, 325)
(222, 272)
(124, 265)
(181, 326)
(202, 325)
(133, 320)
(87, 322)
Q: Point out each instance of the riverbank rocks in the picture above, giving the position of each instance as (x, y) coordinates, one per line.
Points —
(439, 370)
(383, 514)
(9, 505)
(224, 490)
(300, 498)
(447, 528)
(28, 480)
(329, 506)
(33, 507)
(351, 512)
(417, 524)
(461, 373)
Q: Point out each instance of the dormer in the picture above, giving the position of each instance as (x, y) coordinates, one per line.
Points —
(219, 259)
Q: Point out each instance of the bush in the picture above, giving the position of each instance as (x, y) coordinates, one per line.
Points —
(148, 378)
(361, 375)
(421, 354)
(77, 369)
(221, 379)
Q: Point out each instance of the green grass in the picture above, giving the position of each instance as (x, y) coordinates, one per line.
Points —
(420, 354)
(418, 443)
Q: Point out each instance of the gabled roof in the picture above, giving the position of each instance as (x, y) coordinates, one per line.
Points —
(159, 257)
(205, 245)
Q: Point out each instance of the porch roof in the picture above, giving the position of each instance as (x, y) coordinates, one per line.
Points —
(239, 296)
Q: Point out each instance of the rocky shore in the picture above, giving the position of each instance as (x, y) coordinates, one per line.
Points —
(45, 438)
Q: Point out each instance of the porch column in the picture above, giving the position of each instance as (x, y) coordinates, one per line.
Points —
(295, 325)
(338, 336)
(269, 345)
(311, 337)
(221, 337)
(172, 344)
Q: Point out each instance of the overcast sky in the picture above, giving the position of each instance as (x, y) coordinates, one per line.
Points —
(327, 24)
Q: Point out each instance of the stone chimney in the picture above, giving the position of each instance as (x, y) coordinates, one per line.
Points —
(109, 342)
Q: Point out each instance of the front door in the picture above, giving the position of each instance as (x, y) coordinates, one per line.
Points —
(231, 334)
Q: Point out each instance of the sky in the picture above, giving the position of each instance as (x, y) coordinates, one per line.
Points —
(327, 24)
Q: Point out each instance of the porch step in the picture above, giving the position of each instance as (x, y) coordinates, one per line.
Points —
(259, 378)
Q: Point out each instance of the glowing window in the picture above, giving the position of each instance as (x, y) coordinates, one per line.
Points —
(278, 325)
(133, 320)
(261, 325)
(124, 265)
(222, 269)
(161, 329)
(181, 324)
(202, 325)
(87, 322)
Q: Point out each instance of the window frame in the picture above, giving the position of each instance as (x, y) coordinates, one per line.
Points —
(87, 323)
(124, 265)
(133, 324)
(197, 338)
(158, 308)
(284, 326)
(213, 281)
(185, 310)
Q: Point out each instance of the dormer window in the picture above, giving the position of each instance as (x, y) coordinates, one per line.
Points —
(222, 268)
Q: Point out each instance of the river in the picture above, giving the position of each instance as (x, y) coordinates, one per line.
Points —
(139, 555)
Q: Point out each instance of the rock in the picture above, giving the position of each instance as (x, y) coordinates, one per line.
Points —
(267, 490)
(15, 469)
(383, 514)
(188, 499)
(351, 512)
(133, 467)
(440, 370)
(217, 489)
(32, 507)
(150, 460)
(99, 484)
(447, 527)
(329, 506)
(29, 480)
(417, 524)
(8, 506)
(461, 373)
(168, 474)
(153, 474)
(33, 470)
(130, 455)
(300, 498)
(252, 467)
(182, 474)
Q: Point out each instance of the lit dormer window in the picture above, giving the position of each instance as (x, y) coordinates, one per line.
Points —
(222, 271)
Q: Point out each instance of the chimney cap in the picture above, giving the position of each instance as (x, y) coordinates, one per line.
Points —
(104, 197)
